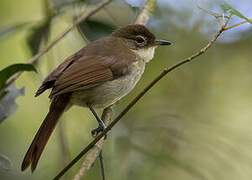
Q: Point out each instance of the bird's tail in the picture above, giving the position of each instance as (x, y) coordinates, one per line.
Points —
(37, 146)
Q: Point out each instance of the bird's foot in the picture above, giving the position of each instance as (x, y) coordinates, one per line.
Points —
(98, 130)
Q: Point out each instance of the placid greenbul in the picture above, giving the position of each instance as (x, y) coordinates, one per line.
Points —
(96, 76)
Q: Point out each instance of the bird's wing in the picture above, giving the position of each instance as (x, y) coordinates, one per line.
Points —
(52, 77)
(86, 72)
(92, 65)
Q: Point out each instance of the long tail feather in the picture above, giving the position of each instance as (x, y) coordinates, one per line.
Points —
(37, 146)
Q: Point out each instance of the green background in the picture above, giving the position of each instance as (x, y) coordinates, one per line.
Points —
(195, 124)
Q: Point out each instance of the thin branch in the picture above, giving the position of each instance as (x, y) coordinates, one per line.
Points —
(138, 97)
(142, 18)
(144, 15)
(34, 59)
(216, 15)
(94, 151)
(135, 100)
(238, 24)
(228, 19)
(63, 144)
(102, 165)
(223, 18)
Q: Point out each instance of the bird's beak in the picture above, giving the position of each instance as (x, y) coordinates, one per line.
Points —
(162, 43)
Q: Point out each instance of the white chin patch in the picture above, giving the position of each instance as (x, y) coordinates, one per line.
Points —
(146, 54)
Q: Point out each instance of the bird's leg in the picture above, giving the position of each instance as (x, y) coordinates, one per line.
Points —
(94, 132)
(101, 126)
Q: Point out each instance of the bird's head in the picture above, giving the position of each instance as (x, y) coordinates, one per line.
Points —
(139, 39)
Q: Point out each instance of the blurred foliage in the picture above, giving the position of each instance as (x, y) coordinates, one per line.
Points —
(227, 8)
(38, 34)
(195, 124)
(7, 98)
(7, 72)
(8, 106)
(93, 29)
(10, 30)
(5, 163)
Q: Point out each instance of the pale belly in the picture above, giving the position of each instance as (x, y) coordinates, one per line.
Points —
(111, 91)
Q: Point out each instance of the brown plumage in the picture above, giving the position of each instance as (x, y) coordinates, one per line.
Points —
(96, 76)
(88, 68)
(33, 154)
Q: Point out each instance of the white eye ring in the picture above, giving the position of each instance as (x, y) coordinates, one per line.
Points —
(140, 39)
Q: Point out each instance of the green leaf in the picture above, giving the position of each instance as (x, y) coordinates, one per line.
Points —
(237, 13)
(7, 72)
(37, 35)
(95, 29)
(9, 30)
(227, 8)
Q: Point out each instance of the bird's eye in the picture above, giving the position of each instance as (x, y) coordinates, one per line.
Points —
(140, 39)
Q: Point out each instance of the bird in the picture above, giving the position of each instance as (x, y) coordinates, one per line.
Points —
(96, 76)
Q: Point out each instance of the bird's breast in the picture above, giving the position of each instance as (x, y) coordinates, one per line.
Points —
(111, 91)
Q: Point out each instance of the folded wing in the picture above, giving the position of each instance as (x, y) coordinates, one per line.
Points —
(89, 71)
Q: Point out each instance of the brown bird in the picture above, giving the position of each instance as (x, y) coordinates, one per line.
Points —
(96, 76)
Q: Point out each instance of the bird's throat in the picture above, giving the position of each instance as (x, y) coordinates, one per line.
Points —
(146, 54)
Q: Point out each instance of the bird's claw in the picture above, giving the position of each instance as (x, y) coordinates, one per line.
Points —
(98, 130)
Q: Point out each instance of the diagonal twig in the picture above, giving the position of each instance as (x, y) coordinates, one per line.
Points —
(238, 24)
(34, 59)
(145, 13)
(135, 100)
(102, 165)
(95, 151)
(143, 20)
(140, 95)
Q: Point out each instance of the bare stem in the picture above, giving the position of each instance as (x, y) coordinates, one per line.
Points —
(102, 165)
(219, 23)
(144, 15)
(216, 15)
(35, 58)
(94, 151)
(223, 18)
(238, 24)
(136, 99)
(228, 19)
